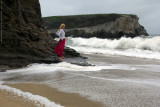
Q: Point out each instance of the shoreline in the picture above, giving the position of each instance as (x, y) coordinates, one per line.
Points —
(138, 77)
(7, 99)
(118, 59)
(62, 98)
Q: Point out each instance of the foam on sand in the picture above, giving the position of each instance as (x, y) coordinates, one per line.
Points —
(38, 100)
(64, 66)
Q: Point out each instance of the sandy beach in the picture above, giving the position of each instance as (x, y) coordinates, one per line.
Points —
(114, 81)
(79, 54)
(66, 99)
(6, 101)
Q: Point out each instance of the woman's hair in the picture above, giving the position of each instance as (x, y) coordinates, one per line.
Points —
(62, 25)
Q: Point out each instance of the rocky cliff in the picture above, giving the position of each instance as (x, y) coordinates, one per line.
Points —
(25, 40)
(100, 25)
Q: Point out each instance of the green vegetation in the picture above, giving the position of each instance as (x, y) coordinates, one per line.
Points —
(77, 21)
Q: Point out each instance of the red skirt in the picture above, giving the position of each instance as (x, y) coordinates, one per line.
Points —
(59, 48)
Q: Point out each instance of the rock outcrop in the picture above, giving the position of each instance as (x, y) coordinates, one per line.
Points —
(25, 40)
(101, 25)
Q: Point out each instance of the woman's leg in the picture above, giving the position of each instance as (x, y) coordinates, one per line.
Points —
(60, 52)
(59, 48)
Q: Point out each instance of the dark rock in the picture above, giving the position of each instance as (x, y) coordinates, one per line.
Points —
(35, 38)
(3, 68)
(50, 59)
(70, 52)
(77, 61)
(25, 40)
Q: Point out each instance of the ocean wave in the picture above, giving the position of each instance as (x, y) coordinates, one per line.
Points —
(152, 44)
(133, 47)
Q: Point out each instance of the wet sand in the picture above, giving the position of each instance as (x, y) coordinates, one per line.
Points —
(9, 100)
(62, 98)
(134, 82)
(98, 59)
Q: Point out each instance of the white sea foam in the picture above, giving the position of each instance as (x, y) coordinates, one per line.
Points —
(44, 68)
(139, 81)
(64, 66)
(152, 44)
(130, 52)
(38, 100)
(134, 47)
(1, 82)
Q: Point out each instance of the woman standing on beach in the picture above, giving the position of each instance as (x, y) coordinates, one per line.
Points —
(59, 48)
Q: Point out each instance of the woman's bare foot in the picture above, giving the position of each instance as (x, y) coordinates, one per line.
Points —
(60, 58)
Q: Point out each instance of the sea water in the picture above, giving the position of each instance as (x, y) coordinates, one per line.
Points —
(113, 84)
(141, 47)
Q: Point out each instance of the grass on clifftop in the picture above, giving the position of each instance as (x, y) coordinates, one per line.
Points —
(78, 21)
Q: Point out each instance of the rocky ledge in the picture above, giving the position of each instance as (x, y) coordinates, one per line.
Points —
(25, 40)
(98, 25)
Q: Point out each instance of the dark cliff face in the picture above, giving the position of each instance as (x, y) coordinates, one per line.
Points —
(99, 25)
(24, 39)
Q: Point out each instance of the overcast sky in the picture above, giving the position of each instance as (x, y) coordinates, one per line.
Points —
(147, 10)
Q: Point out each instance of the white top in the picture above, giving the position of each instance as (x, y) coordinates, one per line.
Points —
(61, 34)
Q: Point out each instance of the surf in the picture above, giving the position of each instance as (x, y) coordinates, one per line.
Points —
(133, 47)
